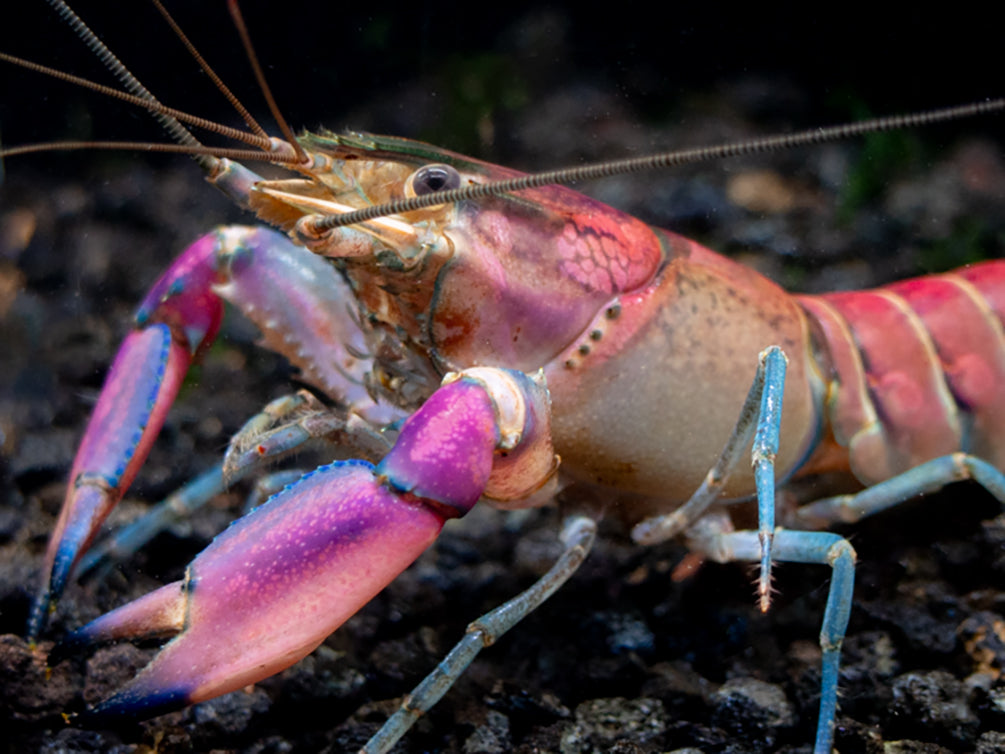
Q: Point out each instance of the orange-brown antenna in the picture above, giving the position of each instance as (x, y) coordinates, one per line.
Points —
(284, 127)
(261, 141)
(284, 158)
(662, 160)
(171, 124)
(275, 151)
(217, 81)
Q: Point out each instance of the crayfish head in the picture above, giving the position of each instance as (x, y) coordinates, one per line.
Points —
(502, 279)
(350, 172)
(392, 262)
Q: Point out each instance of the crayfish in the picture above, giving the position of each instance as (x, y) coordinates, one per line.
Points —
(620, 392)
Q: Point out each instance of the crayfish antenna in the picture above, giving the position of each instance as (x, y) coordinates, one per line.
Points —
(213, 76)
(286, 152)
(177, 131)
(284, 128)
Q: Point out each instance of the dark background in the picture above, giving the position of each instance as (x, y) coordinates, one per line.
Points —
(326, 59)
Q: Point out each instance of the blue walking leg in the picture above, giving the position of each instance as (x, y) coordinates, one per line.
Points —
(577, 534)
(762, 410)
(769, 422)
(289, 422)
(823, 548)
(928, 477)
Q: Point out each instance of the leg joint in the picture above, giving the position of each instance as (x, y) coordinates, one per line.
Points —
(841, 550)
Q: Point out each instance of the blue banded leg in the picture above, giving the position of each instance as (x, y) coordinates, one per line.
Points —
(578, 534)
(823, 548)
(928, 477)
(763, 404)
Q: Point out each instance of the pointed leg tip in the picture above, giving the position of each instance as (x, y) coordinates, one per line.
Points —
(764, 590)
(134, 704)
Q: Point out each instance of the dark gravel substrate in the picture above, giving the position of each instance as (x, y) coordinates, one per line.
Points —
(622, 659)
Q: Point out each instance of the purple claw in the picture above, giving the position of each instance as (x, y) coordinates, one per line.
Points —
(270, 588)
(267, 591)
(288, 291)
(175, 321)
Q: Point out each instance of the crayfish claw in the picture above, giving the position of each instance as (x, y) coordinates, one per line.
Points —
(277, 582)
(268, 590)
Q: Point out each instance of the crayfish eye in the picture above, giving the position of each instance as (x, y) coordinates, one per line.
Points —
(432, 178)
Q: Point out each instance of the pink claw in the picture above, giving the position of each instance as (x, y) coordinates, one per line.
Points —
(276, 284)
(177, 318)
(269, 589)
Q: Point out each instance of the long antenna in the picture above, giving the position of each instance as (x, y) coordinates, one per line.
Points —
(662, 160)
(292, 155)
(249, 49)
(172, 125)
(154, 106)
(217, 81)
(284, 157)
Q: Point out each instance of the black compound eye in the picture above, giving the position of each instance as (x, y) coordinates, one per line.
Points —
(432, 178)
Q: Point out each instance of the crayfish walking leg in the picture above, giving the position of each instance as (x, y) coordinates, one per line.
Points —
(577, 535)
(928, 477)
(761, 411)
(823, 548)
(712, 535)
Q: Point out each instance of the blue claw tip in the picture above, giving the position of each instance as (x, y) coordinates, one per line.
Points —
(135, 704)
